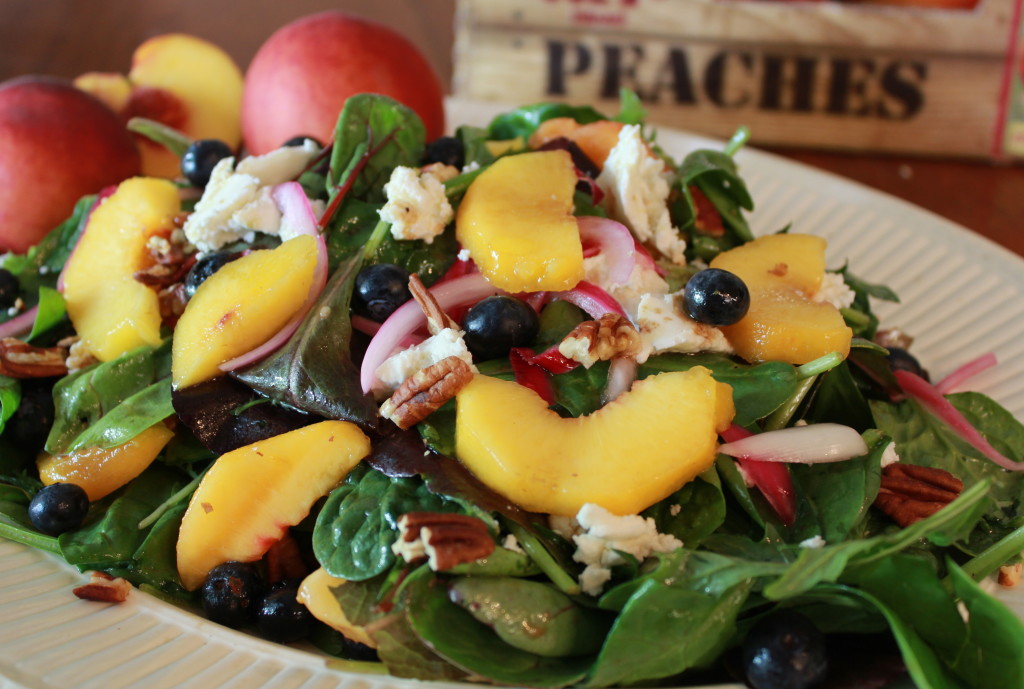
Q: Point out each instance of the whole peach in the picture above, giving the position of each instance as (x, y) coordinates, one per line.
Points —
(301, 76)
(57, 144)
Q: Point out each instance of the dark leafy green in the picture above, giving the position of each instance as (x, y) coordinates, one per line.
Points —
(52, 312)
(84, 398)
(10, 398)
(314, 372)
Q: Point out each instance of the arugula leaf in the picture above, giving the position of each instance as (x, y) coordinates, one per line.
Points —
(374, 135)
(715, 174)
(314, 372)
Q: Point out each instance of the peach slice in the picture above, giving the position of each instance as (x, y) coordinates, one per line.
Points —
(315, 592)
(112, 311)
(636, 450)
(240, 307)
(252, 495)
(102, 471)
(595, 139)
(516, 221)
(180, 81)
(784, 323)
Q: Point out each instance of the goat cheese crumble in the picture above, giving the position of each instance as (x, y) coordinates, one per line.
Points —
(665, 328)
(238, 200)
(835, 291)
(637, 190)
(448, 342)
(417, 206)
(603, 536)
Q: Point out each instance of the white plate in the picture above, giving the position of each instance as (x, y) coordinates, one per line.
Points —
(962, 296)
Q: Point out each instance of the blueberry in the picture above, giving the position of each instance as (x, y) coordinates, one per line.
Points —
(9, 289)
(447, 150)
(902, 360)
(379, 290)
(201, 157)
(716, 297)
(281, 617)
(204, 268)
(232, 592)
(497, 324)
(301, 140)
(784, 650)
(31, 422)
(58, 507)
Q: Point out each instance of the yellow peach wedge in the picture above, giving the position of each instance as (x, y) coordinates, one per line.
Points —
(516, 221)
(240, 307)
(112, 311)
(252, 495)
(316, 593)
(784, 323)
(101, 471)
(638, 449)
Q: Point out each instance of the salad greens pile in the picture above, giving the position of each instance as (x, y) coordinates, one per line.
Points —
(518, 616)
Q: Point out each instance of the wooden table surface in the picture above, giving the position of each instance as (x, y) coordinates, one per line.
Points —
(67, 37)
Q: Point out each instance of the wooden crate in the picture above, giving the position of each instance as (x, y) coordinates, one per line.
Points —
(816, 74)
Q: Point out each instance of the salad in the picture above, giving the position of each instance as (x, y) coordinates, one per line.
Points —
(486, 409)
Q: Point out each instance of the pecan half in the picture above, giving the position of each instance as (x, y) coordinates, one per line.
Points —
(21, 360)
(909, 493)
(1009, 575)
(444, 539)
(437, 319)
(608, 337)
(425, 391)
(104, 588)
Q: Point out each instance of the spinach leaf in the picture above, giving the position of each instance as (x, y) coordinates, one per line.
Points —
(52, 311)
(10, 398)
(836, 398)
(314, 372)
(693, 512)
(83, 398)
(522, 122)
(716, 176)
(15, 525)
(833, 498)
(579, 391)
(644, 642)
(922, 438)
(149, 406)
(474, 143)
(398, 646)
(41, 265)
(451, 632)
(374, 135)
(358, 524)
(112, 541)
(757, 390)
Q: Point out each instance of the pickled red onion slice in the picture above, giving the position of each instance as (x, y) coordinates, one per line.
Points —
(958, 377)
(409, 317)
(621, 374)
(924, 392)
(811, 444)
(21, 323)
(591, 298)
(297, 214)
(614, 241)
(771, 478)
(529, 374)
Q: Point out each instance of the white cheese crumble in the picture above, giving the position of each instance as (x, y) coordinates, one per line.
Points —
(395, 369)
(665, 328)
(512, 543)
(604, 535)
(636, 189)
(237, 201)
(889, 455)
(463, 255)
(642, 281)
(835, 291)
(813, 542)
(417, 206)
